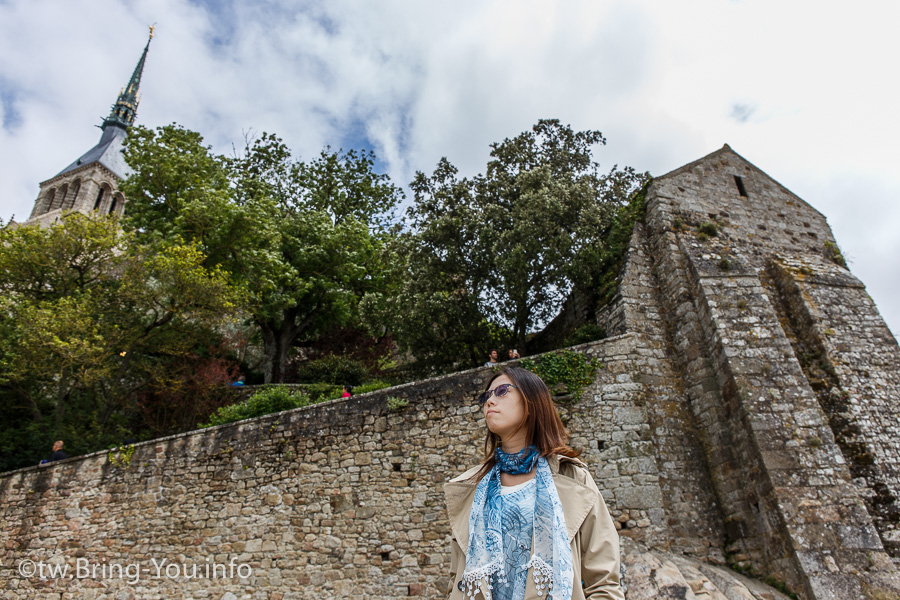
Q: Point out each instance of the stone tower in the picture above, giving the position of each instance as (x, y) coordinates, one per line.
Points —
(89, 183)
(787, 375)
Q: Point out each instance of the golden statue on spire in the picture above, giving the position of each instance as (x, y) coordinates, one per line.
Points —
(152, 27)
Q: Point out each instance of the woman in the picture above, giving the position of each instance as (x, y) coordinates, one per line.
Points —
(529, 522)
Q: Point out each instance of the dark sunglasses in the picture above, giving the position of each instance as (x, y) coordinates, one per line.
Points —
(498, 391)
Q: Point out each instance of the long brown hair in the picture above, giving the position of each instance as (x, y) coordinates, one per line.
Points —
(543, 427)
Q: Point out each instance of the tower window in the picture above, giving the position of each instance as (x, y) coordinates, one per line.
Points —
(740, 185)
(112, 206)
(76, 187)
(99, 199)
(60, 199)
(49, 201)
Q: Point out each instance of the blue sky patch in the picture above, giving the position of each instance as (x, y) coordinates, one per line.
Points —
(9, 99)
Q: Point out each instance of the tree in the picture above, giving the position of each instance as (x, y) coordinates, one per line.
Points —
(546, 206)
(332, 215)
(491, 259)
(181, 191)
(302, 238)
(87, 319)
(437, 274)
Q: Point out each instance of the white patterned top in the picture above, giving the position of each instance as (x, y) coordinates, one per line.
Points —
(517, 516)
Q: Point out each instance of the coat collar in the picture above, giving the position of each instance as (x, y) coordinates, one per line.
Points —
(577, 500)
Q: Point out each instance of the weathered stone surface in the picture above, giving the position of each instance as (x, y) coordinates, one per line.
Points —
(654, 574)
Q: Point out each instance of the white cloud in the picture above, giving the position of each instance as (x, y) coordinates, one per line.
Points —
(813, 85)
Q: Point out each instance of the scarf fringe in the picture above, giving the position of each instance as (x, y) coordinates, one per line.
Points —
(471, 579)
(542, 574)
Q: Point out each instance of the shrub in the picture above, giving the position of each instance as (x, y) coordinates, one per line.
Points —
(319, 392)
(195, 386)
(568, 370)
(724, 264)
(834, 254)
(336, 370)
(709, 228)
(586, 333)
(395, 404)
(371, 387)
(265, 402)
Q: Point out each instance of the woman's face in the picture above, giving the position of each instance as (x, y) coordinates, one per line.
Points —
(504, 415)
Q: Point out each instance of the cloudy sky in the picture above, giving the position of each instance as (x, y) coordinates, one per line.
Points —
(807, 91)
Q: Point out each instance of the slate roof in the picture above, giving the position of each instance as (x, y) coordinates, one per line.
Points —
(108, 152)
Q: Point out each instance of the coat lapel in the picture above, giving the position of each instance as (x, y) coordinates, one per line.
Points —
(576, 498)
(459, 493)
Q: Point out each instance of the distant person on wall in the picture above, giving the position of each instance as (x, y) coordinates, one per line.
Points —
(510, 517)
(492, 358)
(57, 454)
(348, 392)
(513, 355)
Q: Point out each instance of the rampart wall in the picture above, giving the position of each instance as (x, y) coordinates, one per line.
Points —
(342, 499)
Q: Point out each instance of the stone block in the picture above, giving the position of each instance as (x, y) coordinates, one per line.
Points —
(638, 497)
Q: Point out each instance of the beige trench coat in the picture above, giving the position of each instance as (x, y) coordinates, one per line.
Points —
(595, 543)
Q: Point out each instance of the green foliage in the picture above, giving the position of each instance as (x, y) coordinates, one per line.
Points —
(319, 392)
(586, 333)
(564, 371)
(304, 239)
(89, 319)
(121, 457)
(336, 370)
(267, 401)
(372, 386)
(724, 264)
(708, 228)
(490, 259)
(834, 254)
(433, 308)
(395, 404)
(605, 269)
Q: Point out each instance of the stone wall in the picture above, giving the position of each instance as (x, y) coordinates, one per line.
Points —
(333, 500)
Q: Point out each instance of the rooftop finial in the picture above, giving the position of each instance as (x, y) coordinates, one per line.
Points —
(152, 27)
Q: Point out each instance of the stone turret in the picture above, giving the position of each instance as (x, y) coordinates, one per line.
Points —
(788, 377)
(90, 182)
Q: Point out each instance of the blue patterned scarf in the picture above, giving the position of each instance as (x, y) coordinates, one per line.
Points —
(551, 558)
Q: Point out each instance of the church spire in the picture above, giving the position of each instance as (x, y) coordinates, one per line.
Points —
(124, 110)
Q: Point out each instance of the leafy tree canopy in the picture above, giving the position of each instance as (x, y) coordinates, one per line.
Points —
(490, 259)
(304, 238)
(87, 319)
